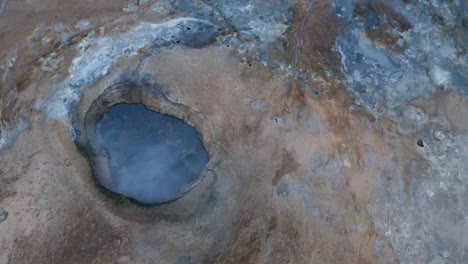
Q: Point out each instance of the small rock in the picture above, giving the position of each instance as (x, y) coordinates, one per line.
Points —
(3, 215)
(82, 24)
(420, 143)
(413, 120)
(439, 135)
(58, 27)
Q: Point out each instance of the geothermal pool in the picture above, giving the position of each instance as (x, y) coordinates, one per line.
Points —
(152, 157)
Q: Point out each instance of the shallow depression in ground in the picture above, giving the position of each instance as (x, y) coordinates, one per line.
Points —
(148, 156)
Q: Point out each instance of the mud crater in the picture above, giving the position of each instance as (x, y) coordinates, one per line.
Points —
(140, 147)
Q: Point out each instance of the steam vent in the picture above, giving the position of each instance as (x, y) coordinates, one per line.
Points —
(145, 155)
(234, 132)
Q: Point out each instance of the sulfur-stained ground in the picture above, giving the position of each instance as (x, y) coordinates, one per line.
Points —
(337, 130)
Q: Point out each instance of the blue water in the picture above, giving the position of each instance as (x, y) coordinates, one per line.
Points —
(153, 158)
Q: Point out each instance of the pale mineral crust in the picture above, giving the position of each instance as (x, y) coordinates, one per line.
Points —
(336, 129)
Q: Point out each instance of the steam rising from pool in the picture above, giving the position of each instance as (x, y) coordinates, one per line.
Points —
(145, 155)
